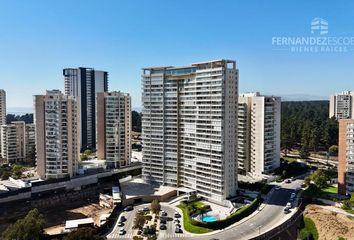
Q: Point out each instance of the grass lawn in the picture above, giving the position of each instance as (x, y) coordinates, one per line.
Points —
(330, 189)
(308, 230)
(198, 204)
(290, 159)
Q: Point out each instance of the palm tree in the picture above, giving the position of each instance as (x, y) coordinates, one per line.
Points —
(202, 211)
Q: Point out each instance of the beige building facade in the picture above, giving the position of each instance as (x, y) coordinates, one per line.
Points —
(57, 119)
(17, 142)
(113, 128)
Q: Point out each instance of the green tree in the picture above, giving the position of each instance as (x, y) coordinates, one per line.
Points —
(83, 157)
(17, 171)
(333, 149)
(139, 221)
(307, 181)
(320, 178)
(30, 227)
(87, 152)
(5, 175)
(304, 152)
(84, 234)
(155, 206)
(202, 211)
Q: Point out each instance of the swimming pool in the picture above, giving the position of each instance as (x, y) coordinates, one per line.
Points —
(208, 218)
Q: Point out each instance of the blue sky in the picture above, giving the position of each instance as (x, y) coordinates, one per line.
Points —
(40, 38)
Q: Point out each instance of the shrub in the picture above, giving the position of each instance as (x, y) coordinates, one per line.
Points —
(220, 224)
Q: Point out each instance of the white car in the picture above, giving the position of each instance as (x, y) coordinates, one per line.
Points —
(292, 195)
(121, 231)
(288, 205)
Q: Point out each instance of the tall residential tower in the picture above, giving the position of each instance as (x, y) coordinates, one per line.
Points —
(85, 83)
(189, 127)
(2, 110)
(57, 119)
(113, 117)
(2, 107)
(258, 134)
(341, 105)
(346, 156)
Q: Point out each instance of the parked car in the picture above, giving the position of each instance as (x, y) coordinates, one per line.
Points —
(177, 215)
(140, 210)
(146, 209)
(288, 181)
(178, 230)
(289, 205)
(286, 210)
(120, 224)
(121, 231)
(176, 221)
(293, 195)
(163, 213)
(163, 227)
(178, 225)
(292, 179)
(123, 218)
(163, 221)
(128, 208)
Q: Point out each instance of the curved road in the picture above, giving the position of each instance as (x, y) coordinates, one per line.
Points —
(268, 218)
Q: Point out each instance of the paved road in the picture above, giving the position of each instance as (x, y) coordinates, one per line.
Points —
(270, 216)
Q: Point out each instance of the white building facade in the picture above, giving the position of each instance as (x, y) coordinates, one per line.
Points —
(2, 110)
(258, 134)
(341, 105)
(189, 121)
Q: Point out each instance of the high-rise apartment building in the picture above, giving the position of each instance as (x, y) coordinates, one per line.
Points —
(2, 107)
(17, 142)
(57, 119)
(258, 134)
(189, 123)
(346, 156)
(341, 105)
(113, 121)
(85, 83)
(2, 110)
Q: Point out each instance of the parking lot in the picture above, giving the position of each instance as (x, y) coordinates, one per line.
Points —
(162, 234)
